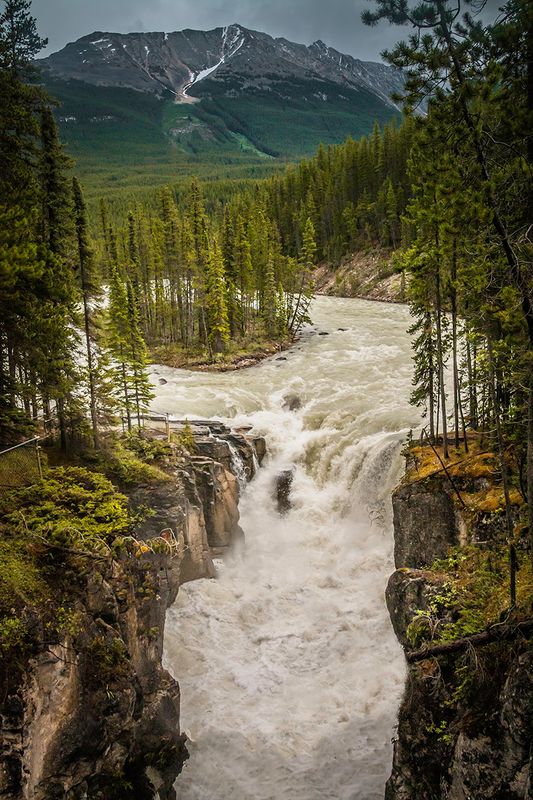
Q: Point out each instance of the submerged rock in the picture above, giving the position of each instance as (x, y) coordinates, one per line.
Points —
(291, 402)
(283, 490)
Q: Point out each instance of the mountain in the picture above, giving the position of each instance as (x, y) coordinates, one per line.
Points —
(230, 96)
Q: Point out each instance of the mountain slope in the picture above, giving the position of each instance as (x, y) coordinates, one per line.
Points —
(191, 99)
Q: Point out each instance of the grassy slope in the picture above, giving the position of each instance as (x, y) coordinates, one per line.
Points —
(138, 142)
(292, 121)
(132, 151)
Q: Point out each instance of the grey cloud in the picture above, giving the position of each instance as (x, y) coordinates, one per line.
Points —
(337, 22)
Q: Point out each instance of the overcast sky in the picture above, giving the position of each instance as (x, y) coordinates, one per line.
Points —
(336, 22)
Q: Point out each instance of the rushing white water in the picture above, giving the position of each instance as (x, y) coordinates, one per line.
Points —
(289, 670)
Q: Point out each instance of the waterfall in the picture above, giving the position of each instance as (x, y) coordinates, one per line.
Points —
(290, 673)
(237, 465)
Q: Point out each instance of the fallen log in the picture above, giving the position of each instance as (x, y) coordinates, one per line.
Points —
(496, 633)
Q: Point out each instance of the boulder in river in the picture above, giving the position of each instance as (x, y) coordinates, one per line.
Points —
(283, 490)
(291, 402)
(323, 333)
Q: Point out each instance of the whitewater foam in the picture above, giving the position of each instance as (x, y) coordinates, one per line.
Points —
(289, 670)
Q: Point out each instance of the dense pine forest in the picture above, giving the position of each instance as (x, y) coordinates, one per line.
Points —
(449, 191)
(97, 524)
(83, 304)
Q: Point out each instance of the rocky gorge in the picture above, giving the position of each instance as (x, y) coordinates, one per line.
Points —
(465, 725)
(93, 714)
(290, 673)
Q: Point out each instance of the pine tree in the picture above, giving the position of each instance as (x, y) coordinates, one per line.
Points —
(137, 355)
(304, 293)
(118, 344)
(90, 293)
(242, 269)
(217, 311)
(269, 311)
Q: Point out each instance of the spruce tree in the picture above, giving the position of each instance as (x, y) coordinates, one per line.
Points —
(217, 310)
(137, 358)
(90, 293)
(269, 311)
(118, 342)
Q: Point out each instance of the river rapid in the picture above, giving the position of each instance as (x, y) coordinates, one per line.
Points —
(290, 673)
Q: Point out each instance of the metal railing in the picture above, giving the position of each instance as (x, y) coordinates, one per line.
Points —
(21, 465)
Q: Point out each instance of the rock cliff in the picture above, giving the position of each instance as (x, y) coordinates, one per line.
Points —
(465, 729)
(92, 714)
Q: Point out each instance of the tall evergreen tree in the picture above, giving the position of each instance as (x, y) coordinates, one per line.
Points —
(217, 310)
(90, 293)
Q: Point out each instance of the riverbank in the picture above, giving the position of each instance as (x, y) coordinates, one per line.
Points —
(367, 275)
(241, 357)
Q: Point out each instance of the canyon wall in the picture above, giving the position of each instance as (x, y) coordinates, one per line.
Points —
(95, 715)
(465, 728)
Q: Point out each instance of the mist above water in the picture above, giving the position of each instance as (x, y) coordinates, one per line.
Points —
(289, 670)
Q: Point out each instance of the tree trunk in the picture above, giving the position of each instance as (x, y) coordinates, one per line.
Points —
(440, 357)
(453, 302)
(497, 633)
(505, 476)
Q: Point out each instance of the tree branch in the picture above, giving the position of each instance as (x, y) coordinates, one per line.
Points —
(497, 633)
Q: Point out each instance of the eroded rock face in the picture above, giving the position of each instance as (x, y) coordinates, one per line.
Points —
(97, 707)
(465, 726)
(409, 591)
(218, 491)
(426, 524)
(482, 751)
(96, 713)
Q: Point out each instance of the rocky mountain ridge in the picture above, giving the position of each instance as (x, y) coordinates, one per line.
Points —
(186, 63)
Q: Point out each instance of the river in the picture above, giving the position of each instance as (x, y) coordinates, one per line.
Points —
(290, 673)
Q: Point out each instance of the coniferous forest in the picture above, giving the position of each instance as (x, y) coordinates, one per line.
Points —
(93, 293)
(83, 302)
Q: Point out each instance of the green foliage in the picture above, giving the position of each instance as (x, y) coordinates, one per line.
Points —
(233, 138)
(108, 660)
(12, 634)
(425, 624)
(128, 463)
(147, 448)
(185, 438)
(20, 580)
(440, 730)
(206, 275)
(472, 594)
(72, 507)
(22, 586)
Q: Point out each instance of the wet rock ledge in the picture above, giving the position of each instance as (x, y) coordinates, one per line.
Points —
(94, 716)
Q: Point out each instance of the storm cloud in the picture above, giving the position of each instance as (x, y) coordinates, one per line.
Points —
(336, 22)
